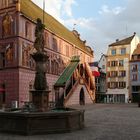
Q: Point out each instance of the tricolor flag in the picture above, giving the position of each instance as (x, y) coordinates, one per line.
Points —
(95, 71)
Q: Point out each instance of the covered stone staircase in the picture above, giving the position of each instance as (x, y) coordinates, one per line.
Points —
(74, 75)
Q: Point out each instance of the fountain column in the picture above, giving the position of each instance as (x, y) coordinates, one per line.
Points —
(40, 93)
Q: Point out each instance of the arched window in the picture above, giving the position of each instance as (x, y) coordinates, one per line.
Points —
(55, 45)
(46, 38)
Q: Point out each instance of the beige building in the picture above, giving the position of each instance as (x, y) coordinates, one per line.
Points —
(118, 73)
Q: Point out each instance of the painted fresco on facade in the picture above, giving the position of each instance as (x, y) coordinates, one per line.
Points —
(7, 54)
(26, 57)
(7, 25)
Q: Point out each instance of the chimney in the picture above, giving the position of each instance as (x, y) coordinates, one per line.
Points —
(117, 40)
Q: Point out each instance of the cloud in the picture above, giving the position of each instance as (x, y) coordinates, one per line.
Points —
(105, 9)
(67, 7)
(86, 23)
(112, 22)
(57, 8)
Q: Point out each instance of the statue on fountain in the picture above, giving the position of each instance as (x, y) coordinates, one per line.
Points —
(40, 57)
(39, 41)
(40, 93)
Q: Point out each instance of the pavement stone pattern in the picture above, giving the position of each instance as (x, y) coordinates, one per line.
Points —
(102, 122)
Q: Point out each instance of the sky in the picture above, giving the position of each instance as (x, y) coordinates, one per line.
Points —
(99, 22)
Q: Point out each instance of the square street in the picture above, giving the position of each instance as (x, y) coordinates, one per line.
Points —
(102, 122)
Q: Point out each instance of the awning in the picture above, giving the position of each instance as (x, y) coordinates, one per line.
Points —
(67, 73)
(96, 73)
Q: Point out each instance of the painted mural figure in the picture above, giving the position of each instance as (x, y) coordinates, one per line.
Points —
(7, 25)
(9, 54)
(39, 31)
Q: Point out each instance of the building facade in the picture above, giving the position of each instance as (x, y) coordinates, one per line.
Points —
(100, 80)
(118, 70)
(135, 75)
(102, 63)
(17, 27)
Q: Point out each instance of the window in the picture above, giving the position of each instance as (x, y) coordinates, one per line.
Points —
(134, 67)
(67, 50)
(134, 77)
(113, 52)
(122, 85)
(112, 85)
(103, 66)
(54, 67)
(60, 46)
(121, 63)
(135, 88)
(123, 51)
(135, 57)
(122, 73)
(108, 74)
(114, 63)
(54, 44)
(108, 64)
(27, 29)
(114, 74)
(46, 40)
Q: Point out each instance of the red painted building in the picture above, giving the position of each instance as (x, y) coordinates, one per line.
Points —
(17, 27)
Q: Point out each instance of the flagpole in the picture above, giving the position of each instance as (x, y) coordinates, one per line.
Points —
(43, 10)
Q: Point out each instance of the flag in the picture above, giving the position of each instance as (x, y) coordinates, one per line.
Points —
(95, 71)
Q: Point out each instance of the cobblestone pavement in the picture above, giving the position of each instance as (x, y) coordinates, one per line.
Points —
(102, 122)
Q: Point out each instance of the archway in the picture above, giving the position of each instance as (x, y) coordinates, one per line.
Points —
(2, 95)
(82, 97)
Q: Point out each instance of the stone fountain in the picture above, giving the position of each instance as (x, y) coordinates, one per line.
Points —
(40, 94)
(41, 120)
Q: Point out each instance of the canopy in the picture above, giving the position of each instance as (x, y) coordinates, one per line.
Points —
(95, 71)
(67, 73)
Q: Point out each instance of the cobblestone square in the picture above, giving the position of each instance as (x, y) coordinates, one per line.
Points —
(102, 122)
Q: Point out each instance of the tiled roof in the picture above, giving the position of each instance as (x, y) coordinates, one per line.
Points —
(123, 41)
(137, 50)
(32, 11)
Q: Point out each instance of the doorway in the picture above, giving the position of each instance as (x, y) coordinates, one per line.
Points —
(2, 95)
(82, 97)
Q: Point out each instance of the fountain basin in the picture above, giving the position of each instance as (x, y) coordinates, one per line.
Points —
(29, 123)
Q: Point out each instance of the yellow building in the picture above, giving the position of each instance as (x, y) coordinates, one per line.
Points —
(118, 73)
